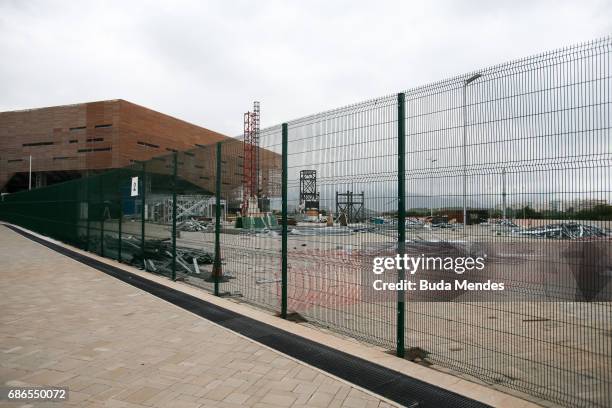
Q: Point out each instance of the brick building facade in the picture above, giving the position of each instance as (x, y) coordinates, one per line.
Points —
(67, 141)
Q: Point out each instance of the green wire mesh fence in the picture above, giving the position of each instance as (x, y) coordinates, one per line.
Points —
(512, 163)
(519, 155)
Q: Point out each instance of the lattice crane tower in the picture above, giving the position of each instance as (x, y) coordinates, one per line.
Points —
(250, 182)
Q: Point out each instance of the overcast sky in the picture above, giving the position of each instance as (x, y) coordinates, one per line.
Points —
(206, 61)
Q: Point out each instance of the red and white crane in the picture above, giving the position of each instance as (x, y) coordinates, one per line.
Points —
(250, 181)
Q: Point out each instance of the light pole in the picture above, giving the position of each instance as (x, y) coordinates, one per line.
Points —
(431, 162)
(465, 84)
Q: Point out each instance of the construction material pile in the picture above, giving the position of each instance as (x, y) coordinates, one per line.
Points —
(158, 258)
(310, 231)
(157, 254)
(564, 231)
(501, 223)
(193, 225)
(391, 223)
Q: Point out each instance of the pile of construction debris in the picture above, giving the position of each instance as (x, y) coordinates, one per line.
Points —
(500, 223)
(564, 231)
(310, 231)
(157, 254)
(158, 257)
(188, 260)
(501, 227)
(391, 223)
(193, 225)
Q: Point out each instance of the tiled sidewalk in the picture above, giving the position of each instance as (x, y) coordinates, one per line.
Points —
(63, 323)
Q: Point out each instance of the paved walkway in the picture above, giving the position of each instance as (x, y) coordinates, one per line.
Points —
(65, 324)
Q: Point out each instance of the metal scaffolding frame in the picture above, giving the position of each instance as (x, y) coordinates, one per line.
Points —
(350, 206)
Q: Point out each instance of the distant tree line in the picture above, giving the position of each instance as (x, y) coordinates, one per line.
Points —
(601, 212)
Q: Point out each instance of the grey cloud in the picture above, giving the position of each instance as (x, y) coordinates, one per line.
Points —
(206, 61)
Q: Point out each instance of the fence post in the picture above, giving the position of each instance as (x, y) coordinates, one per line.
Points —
(120, 227)
(284, 225)
(401, 215)
(174, 171)
(101, 199)
(120, 215)
(217, 271)
(142, 212)
(87, 228)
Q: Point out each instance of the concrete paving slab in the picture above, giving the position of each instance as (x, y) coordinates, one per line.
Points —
(66, 324)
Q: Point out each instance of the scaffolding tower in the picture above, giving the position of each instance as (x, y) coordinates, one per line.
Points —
(250, 182)
(350, 206)
(309, 198)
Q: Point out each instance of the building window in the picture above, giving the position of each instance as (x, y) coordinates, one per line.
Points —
(95, 139)
(73, 141)
(64, 158)
(107, 125)
(148, 144)
(99, 149)
(15, 160)
(72, 129)
(37, 144)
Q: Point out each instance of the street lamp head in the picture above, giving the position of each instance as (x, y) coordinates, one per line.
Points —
(472, 78)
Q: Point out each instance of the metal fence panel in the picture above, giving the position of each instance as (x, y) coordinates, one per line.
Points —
(349, 155)
(512, 161)
(250, 243)
(500, 156)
